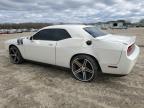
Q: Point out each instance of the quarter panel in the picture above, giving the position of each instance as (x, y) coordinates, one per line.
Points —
(66, 49)
(109, 52)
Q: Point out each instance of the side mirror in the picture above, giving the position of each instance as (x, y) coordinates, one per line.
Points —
(31, 38)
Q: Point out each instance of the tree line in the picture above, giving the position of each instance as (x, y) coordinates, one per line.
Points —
(41, 25)
(24, 25)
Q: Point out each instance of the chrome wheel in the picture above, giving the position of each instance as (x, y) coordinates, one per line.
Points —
(82, 69)
(15, 56)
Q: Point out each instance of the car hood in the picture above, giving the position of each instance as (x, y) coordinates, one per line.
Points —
(117, 38)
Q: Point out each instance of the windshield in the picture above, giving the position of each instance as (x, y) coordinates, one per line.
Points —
(93, 31)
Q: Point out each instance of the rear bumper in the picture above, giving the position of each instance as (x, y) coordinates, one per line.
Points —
(125, 65)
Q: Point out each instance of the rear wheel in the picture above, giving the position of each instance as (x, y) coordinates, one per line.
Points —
(15, 55)
(84, 68)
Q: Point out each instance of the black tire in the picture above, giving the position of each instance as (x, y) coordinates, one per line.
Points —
(84, 68)
(15, 55)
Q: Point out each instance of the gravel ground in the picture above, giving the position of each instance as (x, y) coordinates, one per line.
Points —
(32, 85)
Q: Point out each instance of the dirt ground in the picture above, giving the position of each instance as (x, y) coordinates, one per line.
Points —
(31, 85)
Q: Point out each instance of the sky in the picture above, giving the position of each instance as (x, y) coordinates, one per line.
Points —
(70, 11)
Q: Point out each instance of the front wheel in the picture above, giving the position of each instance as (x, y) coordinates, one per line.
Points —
(84, 68)
(15, 55)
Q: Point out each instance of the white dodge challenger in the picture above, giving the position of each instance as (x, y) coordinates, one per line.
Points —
(84, 49)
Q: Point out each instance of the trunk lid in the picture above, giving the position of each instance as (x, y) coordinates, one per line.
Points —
(117, 38)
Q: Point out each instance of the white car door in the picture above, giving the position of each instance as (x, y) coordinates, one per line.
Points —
(41, 47)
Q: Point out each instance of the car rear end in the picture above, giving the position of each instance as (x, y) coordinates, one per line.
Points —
(117, 54)
(128, 57)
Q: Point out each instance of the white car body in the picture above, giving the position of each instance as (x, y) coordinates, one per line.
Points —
(110, 51)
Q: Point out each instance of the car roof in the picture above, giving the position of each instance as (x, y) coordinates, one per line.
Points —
(74, 30)
(66, 26)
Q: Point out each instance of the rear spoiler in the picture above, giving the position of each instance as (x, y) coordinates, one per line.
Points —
(131, 41)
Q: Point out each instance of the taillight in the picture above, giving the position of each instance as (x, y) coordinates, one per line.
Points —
(130, 49)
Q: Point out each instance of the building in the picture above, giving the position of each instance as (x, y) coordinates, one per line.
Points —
(102, 25)
(120, 24)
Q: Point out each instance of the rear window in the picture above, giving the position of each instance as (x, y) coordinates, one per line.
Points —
(93, 31)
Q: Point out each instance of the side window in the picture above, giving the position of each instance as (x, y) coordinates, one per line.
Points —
(61, 34)
(52, 35)
(41, 35)
(37, 36)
